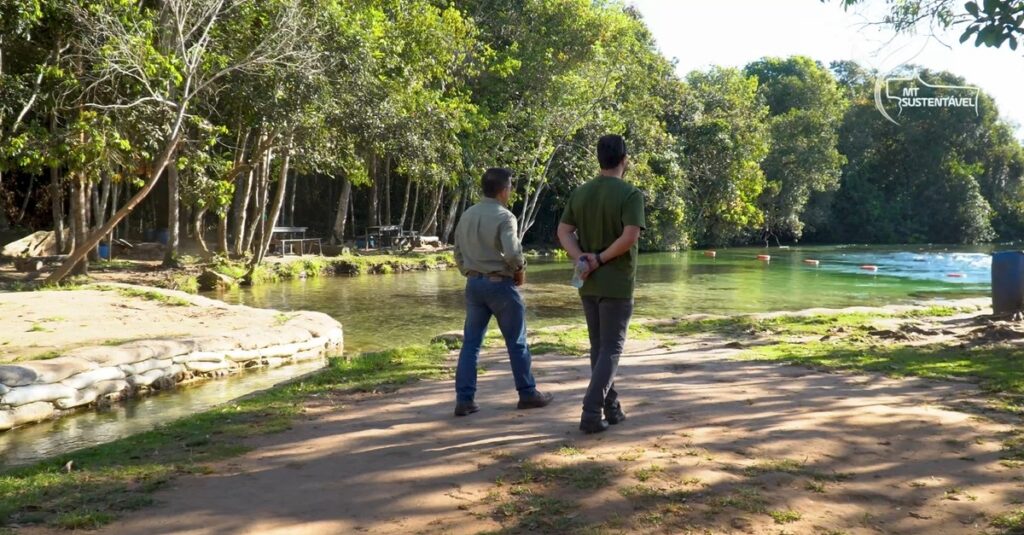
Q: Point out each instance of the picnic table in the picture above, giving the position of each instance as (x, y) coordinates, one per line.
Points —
(382, 235)
(286, 238)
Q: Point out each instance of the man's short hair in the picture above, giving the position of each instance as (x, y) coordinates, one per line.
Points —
(611, 150)
(495, 180)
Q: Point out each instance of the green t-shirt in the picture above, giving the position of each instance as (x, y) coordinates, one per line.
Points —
(600, 210)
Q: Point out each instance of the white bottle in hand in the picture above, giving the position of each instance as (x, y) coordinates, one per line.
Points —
(577, 274)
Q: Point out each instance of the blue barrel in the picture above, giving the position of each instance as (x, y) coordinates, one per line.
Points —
(104, 251)
(1007, 282)
(163, 236)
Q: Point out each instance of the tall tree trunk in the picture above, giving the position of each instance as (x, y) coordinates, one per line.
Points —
(240, 209)
(415, 202)
(449, 220)
(79, 211)
(405, 203)
(260, 198)
(57, 208)
(429, 227)
(338, 230)
(374, 217)
(82, 248)
(387, 191)
(291, 205)
(173, 213)
(222, 231)
(200, 231)
(28, 197)
(275, 209)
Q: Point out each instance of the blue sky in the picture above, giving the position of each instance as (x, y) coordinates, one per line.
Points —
(701, 33)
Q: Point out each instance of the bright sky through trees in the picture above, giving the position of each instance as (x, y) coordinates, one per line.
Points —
(736, 32)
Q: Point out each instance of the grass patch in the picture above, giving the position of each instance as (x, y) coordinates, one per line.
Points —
(784, 517)
(995, 368)
(110, 479)
(185, 283)
(796, 325)
(569, 450)
(747, 499)
(149, 295)
(574, 341)
(648, 473)
(1011, 523)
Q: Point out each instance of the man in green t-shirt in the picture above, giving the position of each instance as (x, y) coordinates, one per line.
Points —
(600, 226)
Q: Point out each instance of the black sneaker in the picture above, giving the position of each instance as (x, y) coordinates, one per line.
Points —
(462, 408)
(614, 413)
(593, 426)
(536, 401)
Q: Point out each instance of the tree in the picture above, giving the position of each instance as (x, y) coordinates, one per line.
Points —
(805, 107)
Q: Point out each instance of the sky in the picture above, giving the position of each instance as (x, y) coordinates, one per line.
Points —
(701, 33)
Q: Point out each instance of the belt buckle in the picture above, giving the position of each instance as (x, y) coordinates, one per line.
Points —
(495, 278)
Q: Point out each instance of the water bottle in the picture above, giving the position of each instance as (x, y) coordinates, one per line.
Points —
(577, 274)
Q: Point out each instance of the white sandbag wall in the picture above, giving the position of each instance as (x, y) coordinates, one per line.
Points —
(37, 390)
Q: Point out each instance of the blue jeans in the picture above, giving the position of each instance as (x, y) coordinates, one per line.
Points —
(501, 299)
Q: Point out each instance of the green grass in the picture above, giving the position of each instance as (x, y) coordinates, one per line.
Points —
(784, 517)
(995, 368)
(113, 478)
(1011, 523)
(185, 282)
(152, 295)
(796, 325)
(650, 472)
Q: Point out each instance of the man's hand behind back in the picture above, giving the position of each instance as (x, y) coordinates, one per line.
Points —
(519, 277)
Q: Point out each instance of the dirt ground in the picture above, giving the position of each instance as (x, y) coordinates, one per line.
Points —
(37, 324)
(711, 445)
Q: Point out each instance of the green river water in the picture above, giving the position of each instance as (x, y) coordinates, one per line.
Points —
(384, 311)
(392, 310)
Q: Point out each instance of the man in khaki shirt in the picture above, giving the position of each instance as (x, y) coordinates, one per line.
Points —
(489, 254)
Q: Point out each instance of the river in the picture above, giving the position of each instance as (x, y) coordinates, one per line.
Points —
(392, 310)
(382, 311)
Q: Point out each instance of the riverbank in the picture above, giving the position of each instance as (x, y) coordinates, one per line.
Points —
(73, 349)
(188, 276)
(724, 435)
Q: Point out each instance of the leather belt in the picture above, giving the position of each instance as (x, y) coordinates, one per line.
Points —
(493, 277)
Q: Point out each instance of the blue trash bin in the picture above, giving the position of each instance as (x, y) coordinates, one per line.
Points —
(163, 236)
(1007, 282)
(104, 251)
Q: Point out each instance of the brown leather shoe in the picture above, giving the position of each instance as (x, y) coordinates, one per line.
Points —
(536, 401)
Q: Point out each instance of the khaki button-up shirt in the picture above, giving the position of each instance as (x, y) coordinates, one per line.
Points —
(487, 241)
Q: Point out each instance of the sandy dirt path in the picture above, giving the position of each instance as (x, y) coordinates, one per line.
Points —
(712, 445)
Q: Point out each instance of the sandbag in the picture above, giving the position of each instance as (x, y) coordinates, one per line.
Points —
(285, 350)
(314, 343)
(104, 388)
(32, 412)
(200, 356)
(142, 367)
(165, 349)
(145, 379)
(4, 389)
(274, 362)
(113, 355)
(243, 355)
(6, 419)
(24, 395)
(87, 379)
(206, 367)
(57, 369)
(217, 344)
(82, 397)
(14, 375)
(311, 354)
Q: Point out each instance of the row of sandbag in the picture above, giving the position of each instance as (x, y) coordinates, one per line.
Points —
(36, 390)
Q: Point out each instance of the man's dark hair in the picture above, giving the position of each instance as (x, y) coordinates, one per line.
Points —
(495, 180)
(611, 150)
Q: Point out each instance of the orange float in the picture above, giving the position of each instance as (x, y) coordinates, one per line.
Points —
(764, 257)
(711, 254)
(955, 275)
(811, 261)
(869, 267)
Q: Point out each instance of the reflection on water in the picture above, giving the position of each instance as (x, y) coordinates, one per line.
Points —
(91, 427)
(391, 310)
